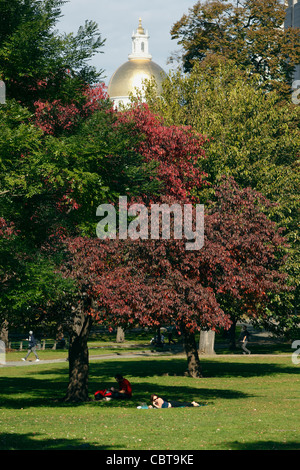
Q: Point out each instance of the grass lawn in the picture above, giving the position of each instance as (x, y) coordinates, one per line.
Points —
(251, 403)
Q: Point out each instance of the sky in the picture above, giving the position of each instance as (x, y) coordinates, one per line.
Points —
(117, 19)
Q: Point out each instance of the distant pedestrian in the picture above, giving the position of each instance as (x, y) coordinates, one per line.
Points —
(31, 346)
(244, 338)
(170, 338)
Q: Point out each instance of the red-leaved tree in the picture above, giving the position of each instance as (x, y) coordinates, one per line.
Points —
(152, 282)
(56, 116)
(175, 152)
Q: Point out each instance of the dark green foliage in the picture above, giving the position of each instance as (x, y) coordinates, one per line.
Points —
(38, 63)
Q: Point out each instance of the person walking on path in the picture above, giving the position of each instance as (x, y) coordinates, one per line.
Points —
(31, 347)
(244, 338)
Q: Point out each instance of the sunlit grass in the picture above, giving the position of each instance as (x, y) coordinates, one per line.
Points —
(248, 403)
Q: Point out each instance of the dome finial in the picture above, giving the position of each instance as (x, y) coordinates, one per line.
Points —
(140, 29)
(140, 44)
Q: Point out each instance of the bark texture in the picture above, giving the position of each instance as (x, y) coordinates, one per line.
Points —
(77, 390)
(190, 346)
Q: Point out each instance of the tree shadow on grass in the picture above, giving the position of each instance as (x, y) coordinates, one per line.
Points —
(31, 441)
(44, 394)
(47, 386)
(183, 393)
(29, 391)
(177, 367)
(245, 369)
(264, 445)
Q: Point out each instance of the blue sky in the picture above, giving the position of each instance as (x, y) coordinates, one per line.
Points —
(118, 18)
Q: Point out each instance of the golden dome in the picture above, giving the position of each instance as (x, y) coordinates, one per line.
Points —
(131, 75)
(139, 67)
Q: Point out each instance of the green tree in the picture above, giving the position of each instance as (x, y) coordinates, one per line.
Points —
(51, 186)
(38, 63)
(63, 151)
(249, 32)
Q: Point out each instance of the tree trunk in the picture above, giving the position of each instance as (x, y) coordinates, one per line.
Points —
(207, 342)
(4, 333)
(159, 343)
(120, 335)
(190, 346)
(77, 390)
(231, 334)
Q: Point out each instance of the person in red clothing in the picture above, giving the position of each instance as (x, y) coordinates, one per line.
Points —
(125, 389)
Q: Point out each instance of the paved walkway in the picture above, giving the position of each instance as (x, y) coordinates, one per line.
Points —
(132, 356)
(256, 336)
(97, 357)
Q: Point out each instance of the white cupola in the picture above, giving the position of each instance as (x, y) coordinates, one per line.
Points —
(140, 44)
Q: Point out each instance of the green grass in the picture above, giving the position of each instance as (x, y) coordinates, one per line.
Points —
(250, 403)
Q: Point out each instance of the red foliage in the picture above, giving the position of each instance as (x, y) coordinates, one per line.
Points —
(7, 229)
(152, 282)
(178, 150)
(57, 116)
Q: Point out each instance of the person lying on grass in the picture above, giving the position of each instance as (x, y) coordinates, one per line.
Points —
(158, 402)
